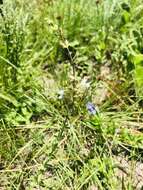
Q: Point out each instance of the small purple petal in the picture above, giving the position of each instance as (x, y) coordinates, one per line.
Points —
(91, 108)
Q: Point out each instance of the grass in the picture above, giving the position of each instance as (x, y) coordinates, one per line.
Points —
(56, 56)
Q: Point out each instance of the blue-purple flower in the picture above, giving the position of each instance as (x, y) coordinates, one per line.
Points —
(92, 109)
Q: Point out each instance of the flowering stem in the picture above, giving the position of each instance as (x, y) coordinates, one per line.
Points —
(71, 62)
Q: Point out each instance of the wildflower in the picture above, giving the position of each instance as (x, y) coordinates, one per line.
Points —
(91, 108)
(117, 131)
(61, 94)
(85, 84)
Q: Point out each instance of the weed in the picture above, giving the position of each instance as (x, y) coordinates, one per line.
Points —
(59, 61)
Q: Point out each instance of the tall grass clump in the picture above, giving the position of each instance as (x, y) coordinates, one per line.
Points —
(19, 83)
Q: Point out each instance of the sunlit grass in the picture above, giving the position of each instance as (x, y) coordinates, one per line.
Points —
(69, 114)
